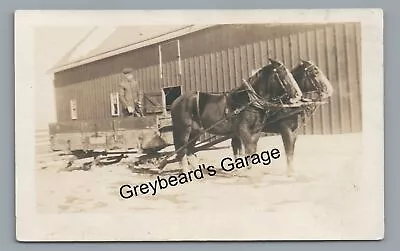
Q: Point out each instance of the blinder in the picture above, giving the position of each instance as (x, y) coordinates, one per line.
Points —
(261, 103)
(285, 95)
(310, 72)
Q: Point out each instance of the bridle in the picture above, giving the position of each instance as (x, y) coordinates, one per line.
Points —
(309, 75)
(260, 102)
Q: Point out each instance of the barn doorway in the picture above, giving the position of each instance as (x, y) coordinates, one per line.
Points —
(170, 94)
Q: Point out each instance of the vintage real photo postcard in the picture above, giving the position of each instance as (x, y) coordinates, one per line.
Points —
(189, 125)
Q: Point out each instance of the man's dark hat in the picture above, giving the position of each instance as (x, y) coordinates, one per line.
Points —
(127, 70)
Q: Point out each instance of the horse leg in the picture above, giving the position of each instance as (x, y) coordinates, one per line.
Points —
(289, 139)
(236, 147)
(180, 139)
(250, 149)
(192, 158)
(250, 145)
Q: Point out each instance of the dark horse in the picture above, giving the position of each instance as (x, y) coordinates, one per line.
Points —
(315, 86)
(238, 114)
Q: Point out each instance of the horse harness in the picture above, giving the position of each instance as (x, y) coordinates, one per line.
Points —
(255, 100)
(226, 109)
(307, 76)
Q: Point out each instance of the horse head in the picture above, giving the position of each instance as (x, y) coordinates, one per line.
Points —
(312, 81)
(276, 81)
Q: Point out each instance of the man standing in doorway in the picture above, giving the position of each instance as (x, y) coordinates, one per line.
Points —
(129, 94)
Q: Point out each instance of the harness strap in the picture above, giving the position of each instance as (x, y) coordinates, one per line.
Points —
(255, 99)
(226, 110)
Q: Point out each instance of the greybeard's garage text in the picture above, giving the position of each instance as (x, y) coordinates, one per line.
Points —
(227, 165)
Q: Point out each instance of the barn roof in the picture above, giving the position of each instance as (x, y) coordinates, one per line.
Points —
(104, 42)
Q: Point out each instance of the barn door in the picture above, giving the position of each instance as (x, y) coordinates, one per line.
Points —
(170, 63)
(170, 94)
(153, 102)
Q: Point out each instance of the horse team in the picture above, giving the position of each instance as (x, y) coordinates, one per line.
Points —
(246, 112)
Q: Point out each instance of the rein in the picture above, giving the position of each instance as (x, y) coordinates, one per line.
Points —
(255, 100)
(228, 116)
(259, 102)
(262, 103)
(310, 109)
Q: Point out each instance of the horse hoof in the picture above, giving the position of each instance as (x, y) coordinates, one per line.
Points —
(184, 168)
(193, 160)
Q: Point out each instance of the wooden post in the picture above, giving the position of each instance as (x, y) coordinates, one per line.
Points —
(179, 57)
(164, 102)
(160, 60)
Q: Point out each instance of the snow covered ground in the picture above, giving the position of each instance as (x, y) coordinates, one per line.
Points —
(327, 198)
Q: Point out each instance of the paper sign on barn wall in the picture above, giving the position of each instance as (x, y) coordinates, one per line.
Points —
(74, 112)
(114, 104)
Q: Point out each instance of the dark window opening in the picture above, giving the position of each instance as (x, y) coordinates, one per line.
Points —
(171, 93)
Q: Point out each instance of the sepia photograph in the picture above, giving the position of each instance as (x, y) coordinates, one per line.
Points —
(199, 125)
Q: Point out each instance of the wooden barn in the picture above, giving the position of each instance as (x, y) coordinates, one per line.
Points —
(168, 61)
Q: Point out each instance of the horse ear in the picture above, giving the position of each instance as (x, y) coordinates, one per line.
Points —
(303, 61)
(272, 61)
(275, 62)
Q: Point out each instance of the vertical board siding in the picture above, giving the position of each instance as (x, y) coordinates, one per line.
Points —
(257, 55)
(203, 71)
(232, 69)
(332, 74)
(342, 74)
(194, 79)
(352, 78)
(225, 71)
(186, 76)
(208, 74)
(321, 61)
(237, 65)
(334, 48)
